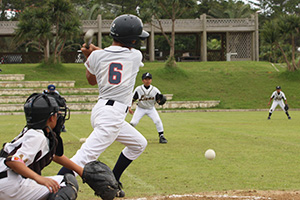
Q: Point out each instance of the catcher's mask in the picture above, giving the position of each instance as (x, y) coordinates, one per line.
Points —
(63, 113)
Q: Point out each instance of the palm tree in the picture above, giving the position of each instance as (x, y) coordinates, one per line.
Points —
(231, 9)
(54, 23)
(33, 26)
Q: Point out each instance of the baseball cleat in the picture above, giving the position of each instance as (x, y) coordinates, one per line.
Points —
(120, 192)
(289, 117)
(269, 117)
(163, 140)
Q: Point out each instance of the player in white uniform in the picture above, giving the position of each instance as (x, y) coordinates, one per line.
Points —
(147, 96)
(278, 97)
(114, 69)
(22, 160)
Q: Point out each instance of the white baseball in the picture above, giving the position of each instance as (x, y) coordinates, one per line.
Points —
(210, 154)
(82, 140)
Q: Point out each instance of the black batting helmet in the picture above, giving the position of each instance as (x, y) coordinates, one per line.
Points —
(278, 87)
(128, 28)
(38, 109)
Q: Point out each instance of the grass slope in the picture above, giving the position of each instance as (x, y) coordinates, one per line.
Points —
(236, 84)
(252, 152)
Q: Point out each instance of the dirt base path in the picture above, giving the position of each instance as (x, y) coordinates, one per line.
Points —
(232, 195)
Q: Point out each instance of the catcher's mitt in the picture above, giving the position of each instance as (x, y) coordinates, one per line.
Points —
(101, 179)
(286, 107)
(161, 99)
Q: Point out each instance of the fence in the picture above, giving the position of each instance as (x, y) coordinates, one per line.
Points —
(37, 57)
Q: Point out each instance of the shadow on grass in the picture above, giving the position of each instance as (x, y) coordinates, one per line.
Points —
(172, 73)
(291, 76)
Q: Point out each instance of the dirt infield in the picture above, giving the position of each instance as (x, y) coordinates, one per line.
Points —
(232, 195)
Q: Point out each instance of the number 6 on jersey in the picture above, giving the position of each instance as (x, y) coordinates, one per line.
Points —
(114, 74)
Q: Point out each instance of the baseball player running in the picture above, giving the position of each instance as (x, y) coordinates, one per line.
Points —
(22, 160)
(147, 95)
(114, 69)
(278, 97)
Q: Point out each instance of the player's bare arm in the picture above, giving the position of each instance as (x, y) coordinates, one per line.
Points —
(66, 162)
(91, 78)
(270, 101)
(135, 97)
(23, 170)
(130, 110)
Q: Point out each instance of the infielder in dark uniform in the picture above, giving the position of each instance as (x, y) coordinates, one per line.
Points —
(278, 96)
(23, 159)
(147, 95)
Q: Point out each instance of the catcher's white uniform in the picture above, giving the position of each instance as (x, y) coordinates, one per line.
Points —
(26, 148)
(277, 100)
(115, 69)
(145, 106)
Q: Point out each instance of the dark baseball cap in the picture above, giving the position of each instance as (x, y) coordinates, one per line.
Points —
(278, 87)
(51, 87)
(146, 75)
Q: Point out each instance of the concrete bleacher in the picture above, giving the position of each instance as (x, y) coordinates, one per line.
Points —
(63, 91)
(35, 84)
(14, 92)
(12, 77)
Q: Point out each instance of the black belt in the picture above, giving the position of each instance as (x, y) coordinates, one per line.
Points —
(112, 102)
(3, 174)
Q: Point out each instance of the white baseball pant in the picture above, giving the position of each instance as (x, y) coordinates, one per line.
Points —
(109, 125)
(275, 104)
(15, 187)
(152, 113)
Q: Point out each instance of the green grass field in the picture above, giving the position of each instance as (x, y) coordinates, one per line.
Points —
(252, 152)
(237, 84)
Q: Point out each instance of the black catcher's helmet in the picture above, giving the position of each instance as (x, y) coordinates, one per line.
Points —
(38, 109)
(128, 28)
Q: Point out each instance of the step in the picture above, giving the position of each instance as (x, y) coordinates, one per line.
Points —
(89, 106)
(29, 91)
(169, 96)
(189, 104)
(12, 77)
(72, 106)
(69, 98)
(186, 104)
(34, 84)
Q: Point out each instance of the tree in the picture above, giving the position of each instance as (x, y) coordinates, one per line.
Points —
(289, 28)
(11, 9)
(156, 10)
(34, 27)
(281, 31)
(109, 9)
(274, 8)
(49, 25)
(230, 9)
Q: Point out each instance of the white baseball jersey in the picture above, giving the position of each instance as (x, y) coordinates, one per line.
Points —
(115, 69)
(146, 97)
(26, 147)
(278, 97)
